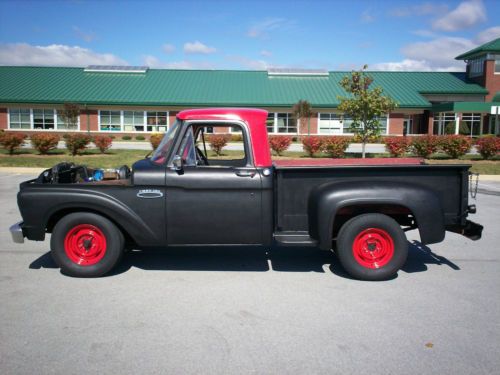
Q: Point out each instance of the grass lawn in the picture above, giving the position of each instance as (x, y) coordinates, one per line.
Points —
(116, 158)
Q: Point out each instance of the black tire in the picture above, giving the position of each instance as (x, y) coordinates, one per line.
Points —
(364, 243)
(84, 232)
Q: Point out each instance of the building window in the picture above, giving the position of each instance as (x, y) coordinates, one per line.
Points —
(444, 123)
(110, 120)
(157, 121)
(270, 122)
(281, 123)
(470, 124)
(62, 125)
(497, 65)
(329, 123)
(133, 121)
(19, 118)
(286, 123)
(43, 119)
(476, 67)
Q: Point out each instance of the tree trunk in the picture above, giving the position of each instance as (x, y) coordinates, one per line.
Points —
(363, 146)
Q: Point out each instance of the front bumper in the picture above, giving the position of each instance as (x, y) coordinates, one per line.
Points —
(16, 231)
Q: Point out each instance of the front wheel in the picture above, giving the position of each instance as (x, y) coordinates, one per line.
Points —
(372, 247)
(84, 244)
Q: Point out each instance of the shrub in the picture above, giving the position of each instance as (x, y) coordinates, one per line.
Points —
(312, 145)
(397, 146)
(236, 137)
(217, 142)
(155, 140)
(140, 138)
(126, 138)
(425, 145)
(488, 146)
(103, 142)
(455, 145)
(336, 146)
(12, 141)
(43, 143)
(112, 136)
(279, 143)
(76, 143)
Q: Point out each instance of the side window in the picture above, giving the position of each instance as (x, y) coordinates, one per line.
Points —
(188, 152)
(223, 145)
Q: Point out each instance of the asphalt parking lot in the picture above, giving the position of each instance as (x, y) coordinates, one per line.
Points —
(263, 311)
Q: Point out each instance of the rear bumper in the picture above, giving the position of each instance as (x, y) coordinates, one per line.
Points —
(16, 231)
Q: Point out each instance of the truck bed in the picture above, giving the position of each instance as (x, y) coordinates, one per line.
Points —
(295, 182)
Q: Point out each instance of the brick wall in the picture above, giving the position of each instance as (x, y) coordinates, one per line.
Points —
(396, 123)
(3, 118)
(492, 81)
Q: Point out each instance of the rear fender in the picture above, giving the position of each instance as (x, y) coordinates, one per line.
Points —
(326, 200)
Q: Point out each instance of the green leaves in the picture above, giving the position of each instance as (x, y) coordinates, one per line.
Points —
(365, 105)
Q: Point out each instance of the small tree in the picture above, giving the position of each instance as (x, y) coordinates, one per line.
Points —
(302, 111)
(365, 105)
(70, 114)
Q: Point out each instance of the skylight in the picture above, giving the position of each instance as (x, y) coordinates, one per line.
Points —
(296, 72)
(116, 69)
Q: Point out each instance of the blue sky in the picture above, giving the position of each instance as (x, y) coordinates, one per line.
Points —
(334, 35)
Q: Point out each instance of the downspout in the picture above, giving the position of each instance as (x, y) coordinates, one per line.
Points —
(88, 118)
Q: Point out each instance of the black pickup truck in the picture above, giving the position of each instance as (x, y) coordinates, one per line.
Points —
(181, 197)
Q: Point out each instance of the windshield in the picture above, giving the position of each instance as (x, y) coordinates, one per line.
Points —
(161, 153)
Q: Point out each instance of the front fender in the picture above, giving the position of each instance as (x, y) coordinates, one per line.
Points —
(39, 205)
(326, 200)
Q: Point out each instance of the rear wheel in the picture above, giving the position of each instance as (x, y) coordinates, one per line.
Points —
(84, 244)
(372, 247)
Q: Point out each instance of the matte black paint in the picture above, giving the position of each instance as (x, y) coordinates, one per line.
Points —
(226, 204)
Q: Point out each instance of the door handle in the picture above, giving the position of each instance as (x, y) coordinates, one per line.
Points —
(245, 173)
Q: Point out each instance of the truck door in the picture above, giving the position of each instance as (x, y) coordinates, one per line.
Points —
(212, 201)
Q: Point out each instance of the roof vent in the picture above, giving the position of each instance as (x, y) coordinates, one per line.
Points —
(116, 69)
(296, 72)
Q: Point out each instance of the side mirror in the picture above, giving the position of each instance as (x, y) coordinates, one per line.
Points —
(177, 163)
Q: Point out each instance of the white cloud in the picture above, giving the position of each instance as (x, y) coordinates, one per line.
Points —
(154, 62)
(438, 52)
(168, 48)
(367, 17)
(409, 65)
(247, 63)
(467, 14)
(54, 55)
(266, 53)
(86, 36)
(434, 55)
(423, 9)
(263, 28)
(198, 47)
(488, 35)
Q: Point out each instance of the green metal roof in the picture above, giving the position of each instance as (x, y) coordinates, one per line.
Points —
(493, 47)
(484, 107)
(198, 88)
(496, 98)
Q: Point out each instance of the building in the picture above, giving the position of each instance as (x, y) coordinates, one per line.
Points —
(139, 100)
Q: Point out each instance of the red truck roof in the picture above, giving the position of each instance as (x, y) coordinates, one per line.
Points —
(254, 118)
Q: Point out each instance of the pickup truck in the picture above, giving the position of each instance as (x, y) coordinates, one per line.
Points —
(360, 209)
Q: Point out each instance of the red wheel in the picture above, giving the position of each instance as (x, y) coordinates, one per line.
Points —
(85, 244)
(373, 248)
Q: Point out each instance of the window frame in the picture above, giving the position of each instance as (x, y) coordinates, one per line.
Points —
(122, 121)
(32, 121)
(276, 127)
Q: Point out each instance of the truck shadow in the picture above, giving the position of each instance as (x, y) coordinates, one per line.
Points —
(251, 259)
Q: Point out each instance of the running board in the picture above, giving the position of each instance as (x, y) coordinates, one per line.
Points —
(294, 239)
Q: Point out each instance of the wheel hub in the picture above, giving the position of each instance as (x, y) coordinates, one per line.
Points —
(85, 244)
(373, 248)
